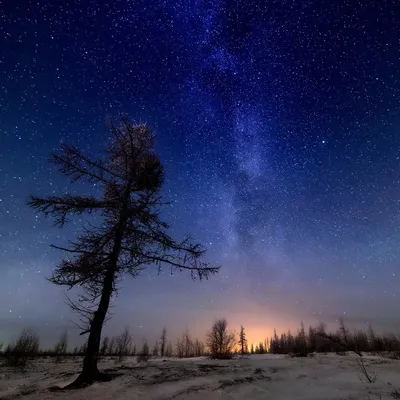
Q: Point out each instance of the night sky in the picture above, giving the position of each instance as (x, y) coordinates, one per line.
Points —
(278, 125)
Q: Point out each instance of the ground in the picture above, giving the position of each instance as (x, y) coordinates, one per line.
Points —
(322, 377)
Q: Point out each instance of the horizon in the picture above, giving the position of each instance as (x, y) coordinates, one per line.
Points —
(254, 336)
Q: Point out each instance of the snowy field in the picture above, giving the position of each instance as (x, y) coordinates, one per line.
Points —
(252, 378)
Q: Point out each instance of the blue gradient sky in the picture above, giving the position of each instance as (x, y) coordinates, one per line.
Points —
(277, 122)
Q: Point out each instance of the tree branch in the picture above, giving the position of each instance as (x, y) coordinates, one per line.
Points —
(73, 163)
(60, 207)
(202, 270)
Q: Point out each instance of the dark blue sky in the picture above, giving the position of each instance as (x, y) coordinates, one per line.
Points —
(277, 122)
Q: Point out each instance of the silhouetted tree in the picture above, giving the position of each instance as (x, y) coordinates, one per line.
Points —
(242, 340)
(252, 349)
(323, 344)
(290, 342)
(301, 342)
(344, 334)
(198, 348)
(83, 349)
(312, 339)
(274, 346)
(155, 350)
(373, 340)
(284, 346)
(188, 344)
(180, 347)
(185, 346)
(111, 346)
(168, 350)
(391, 345)
(104, 346)
(123, 342)
(144, 353)
(261, 349)
(60, 349)
(129, 235)
(360, 339)
(163, 342)
(220, 341)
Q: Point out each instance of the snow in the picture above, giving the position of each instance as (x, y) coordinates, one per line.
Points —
(252, 378)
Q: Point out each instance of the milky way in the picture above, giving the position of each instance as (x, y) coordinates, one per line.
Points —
(277, 123)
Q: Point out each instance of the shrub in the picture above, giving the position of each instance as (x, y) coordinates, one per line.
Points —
(25, 348)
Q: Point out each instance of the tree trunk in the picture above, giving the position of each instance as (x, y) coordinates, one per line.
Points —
(90, 373)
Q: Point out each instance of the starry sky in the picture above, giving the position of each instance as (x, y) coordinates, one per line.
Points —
(278, 125)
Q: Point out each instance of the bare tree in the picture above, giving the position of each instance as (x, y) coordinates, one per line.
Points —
(364, 375)
(25, 348)
(312, 339)
(220, 342)
(180, 348)
(242, 341)
(111, 346)
(104, 346)
(163, 342)
(60, 349)
(155, 350)
(301, 342)
(188, 344)
(344, 334)
(373, 340)
(168, 350)
(123, 342)
(198, 348)
(184, 345)
(128, 234)
(83, 349)
(144, 353)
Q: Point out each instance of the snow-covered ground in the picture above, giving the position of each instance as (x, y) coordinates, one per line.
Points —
(255, 377)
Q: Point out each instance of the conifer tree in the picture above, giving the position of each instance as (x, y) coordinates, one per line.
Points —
(126, 233)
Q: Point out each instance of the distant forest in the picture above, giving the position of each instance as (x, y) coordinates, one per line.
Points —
(219, 343)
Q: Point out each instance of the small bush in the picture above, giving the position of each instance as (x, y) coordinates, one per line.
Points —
(363, 373)
(25, 348)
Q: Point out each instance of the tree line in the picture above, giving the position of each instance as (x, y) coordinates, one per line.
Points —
(219, 343)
